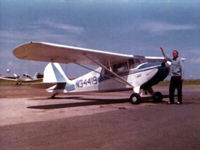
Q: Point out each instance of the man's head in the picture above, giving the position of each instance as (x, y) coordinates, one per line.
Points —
(175, 54)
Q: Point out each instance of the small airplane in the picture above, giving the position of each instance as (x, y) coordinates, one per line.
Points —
(25, 79)
(115, 72)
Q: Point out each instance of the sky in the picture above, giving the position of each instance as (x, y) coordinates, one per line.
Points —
(136, 27)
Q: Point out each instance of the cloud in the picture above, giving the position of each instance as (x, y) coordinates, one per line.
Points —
(194, 60)
(161, 27)
(43, 30)
(125, 1)
(39, 34)
(195, 51)
(152, 27)
(62, 26)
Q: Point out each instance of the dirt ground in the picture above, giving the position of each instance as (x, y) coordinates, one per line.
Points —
(27, 91)
(21, 91)
(30, 120)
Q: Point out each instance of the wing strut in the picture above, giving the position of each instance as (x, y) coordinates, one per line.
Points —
(97, 72)
(87, 68)
(116, 75)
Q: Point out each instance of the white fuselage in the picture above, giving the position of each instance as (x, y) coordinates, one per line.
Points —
(93, 81)
(143, 76)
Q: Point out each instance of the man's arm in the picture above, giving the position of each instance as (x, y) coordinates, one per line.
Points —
(162, 50)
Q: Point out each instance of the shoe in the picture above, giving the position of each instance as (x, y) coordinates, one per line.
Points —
(170, 103)
(178, 103)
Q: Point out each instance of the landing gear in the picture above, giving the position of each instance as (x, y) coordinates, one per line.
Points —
(135, 98)
(157, 97)
(54, 95)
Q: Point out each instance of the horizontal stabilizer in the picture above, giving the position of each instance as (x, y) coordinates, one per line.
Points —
(42, 85)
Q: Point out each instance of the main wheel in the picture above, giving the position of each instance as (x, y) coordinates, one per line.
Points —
(157, 97)
(135, 98)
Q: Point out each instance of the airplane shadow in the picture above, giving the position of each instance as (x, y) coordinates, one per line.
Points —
(78, 104)
(60, 98)
(92, 101)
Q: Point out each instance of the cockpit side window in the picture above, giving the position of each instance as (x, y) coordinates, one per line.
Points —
(125, 66)
(122, 67)
(133, 63)
(137, 62)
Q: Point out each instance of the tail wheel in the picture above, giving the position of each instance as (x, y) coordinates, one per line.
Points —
(157, 97)
(135, 98)
(54, 95)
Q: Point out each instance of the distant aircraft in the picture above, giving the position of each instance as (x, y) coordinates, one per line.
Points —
(116, 71)
(19, 80)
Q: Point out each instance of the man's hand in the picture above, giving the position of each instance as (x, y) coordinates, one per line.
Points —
(182, 79)
(162, 49)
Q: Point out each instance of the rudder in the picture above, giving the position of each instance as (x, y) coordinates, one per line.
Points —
(53, 73)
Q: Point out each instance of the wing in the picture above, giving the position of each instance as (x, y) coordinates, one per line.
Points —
(49, 52)
(154, 59)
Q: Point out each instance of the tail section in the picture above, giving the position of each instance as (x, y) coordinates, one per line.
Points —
(53, 73)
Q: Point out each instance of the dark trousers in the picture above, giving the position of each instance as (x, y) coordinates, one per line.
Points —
(175, 83)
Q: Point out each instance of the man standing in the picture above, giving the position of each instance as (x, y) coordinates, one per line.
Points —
(176, 70)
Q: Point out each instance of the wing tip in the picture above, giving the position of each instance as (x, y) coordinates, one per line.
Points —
(20, 51)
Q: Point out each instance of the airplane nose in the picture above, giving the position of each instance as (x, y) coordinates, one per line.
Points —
(163, 71)
(166, 64)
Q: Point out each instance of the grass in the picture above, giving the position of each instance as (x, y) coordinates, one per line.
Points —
(185, 82)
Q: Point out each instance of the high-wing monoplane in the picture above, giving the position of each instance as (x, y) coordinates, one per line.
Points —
(115, 72)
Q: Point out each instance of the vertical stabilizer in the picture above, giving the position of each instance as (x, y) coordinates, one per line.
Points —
(53, 73)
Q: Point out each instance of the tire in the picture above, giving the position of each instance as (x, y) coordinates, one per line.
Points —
(135, 98)
(157, 97)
